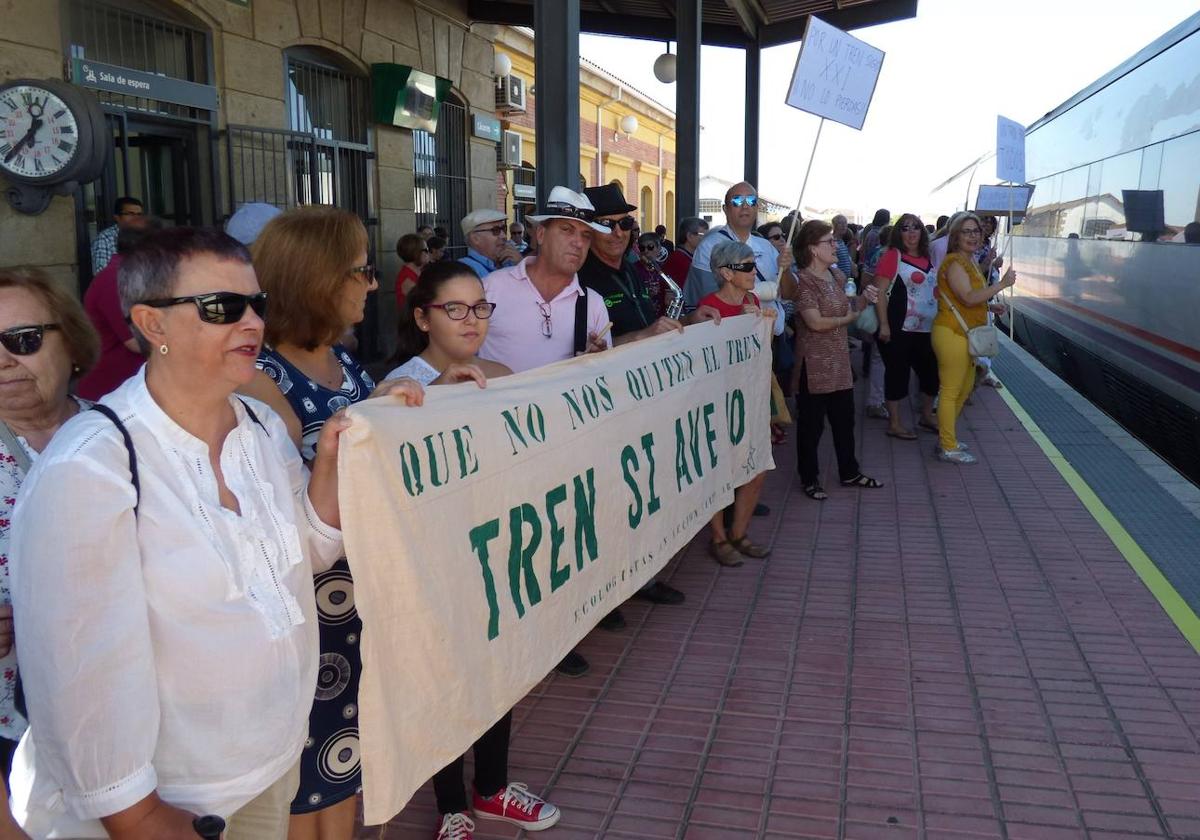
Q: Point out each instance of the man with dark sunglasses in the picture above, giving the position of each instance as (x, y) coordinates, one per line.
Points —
(741, 212)
(487, 246)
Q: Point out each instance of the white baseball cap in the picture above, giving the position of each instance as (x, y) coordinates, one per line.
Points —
(564, 203)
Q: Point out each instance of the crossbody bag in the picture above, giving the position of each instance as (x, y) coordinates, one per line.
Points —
(982, 341)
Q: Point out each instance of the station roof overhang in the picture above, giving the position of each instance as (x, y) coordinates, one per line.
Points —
(725, 23)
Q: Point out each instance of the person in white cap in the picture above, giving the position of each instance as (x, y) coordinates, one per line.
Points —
(540, 305)
(247, 223)
(487, 247)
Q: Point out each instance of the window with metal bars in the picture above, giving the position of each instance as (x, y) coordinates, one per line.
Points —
(143, 41)
(440, 177)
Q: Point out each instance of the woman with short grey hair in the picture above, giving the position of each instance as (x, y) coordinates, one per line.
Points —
(169, 634)
(729, 252)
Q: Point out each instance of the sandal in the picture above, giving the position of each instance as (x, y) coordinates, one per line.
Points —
(902, 434)
(815, 491)
(863, 481)
(746, 548)
(925, 424)
(724, 553)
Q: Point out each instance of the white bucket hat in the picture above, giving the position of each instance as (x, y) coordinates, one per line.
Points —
(565, 203)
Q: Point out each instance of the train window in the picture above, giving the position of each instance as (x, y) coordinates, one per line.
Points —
(1151, 164)
(1180, 181)
(1072, 198)
(1106, 207)
(1042, 217)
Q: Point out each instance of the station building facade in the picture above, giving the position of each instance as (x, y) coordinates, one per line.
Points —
(641, 161)
(276, 109)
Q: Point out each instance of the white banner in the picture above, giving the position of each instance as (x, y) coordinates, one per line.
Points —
(835, 74)
(489, 530)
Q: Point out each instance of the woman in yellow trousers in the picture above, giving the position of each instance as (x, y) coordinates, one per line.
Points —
(961, 287)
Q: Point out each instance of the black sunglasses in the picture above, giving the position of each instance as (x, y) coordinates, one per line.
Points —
(218, 307)
(775, 237)
(27, 340)
(744, 266)
(907, 228)
(624, 223)
(559, 208)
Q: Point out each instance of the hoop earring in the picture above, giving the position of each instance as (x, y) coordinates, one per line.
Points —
(163, 349)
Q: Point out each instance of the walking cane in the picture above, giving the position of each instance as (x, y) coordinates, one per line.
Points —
(209, 827)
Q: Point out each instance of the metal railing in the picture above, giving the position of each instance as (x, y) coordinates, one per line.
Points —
(440, 177)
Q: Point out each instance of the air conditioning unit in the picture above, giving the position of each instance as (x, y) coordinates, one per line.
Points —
(508, 153)
(510, 94)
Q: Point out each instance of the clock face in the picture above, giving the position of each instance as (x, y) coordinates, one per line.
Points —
(38, 132)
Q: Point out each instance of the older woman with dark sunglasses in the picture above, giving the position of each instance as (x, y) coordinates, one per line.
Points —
(46, 341)
(169, 634)
(312, 261)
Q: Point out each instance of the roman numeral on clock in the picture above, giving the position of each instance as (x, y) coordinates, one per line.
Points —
(65, 147)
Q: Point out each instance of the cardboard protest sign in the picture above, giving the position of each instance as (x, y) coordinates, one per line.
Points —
(835, 75)
(489, 530)
(1010, 151)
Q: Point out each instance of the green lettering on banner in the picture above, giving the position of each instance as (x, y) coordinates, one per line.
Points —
(520, 555)
(710, 434)
(694, 441)
(712, 363)
(681, 466)
(629, 466)
(735, 409)
(655, 503)
(480, 536)
(439, 468)
(410, 469)
(532, 423)
(585, 517)
(468, 464)
(558, 535)
(588, 402)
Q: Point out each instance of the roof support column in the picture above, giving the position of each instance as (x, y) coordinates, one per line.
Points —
(687, 108)
(753, 85)
(556, 76)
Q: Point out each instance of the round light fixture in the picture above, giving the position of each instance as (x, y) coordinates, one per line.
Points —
(629, 124)
(503, 64)
(664, 68)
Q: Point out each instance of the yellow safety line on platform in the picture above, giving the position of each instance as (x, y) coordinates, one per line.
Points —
(1172, 603)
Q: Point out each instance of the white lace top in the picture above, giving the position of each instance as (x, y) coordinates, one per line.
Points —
(416, 368)
(173, 650)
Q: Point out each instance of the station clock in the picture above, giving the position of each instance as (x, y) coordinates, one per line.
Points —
(52, 138)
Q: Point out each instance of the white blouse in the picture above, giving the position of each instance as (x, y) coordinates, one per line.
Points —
(175, 650)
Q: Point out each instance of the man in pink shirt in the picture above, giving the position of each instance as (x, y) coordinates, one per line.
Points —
(538, 299)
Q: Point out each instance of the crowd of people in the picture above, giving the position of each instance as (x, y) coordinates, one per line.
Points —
(184, 420)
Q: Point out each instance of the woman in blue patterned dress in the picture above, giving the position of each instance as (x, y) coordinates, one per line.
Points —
(312, 261)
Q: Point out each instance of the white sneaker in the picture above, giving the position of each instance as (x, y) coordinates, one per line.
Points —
(962, 447)
(956, 456)
(455, 827)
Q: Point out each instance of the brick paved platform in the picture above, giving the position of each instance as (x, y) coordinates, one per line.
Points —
(907, 664)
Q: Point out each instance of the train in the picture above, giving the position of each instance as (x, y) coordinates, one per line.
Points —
(1107, 255)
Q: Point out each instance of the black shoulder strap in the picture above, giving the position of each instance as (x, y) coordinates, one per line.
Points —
(133, 469)
(250, 413)
(581, 322)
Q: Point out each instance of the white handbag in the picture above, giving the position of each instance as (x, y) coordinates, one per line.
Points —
(982, 341)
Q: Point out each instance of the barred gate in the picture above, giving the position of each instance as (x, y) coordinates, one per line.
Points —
(440, 175)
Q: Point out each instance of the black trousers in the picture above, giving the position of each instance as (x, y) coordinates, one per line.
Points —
(811, 411)
(491, 770)
(908, 352)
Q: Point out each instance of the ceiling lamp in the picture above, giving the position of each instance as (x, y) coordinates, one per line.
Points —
(664, 67)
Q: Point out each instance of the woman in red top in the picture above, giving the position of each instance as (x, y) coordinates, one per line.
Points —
(907, 305)
(733, 267)
(825, 387)
(415, 253)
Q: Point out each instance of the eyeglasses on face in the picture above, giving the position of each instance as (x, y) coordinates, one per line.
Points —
(218, 307)
(971, 231)
(742, 266)
(457, 310)
(26, 340)
(826, 241)
(744, 200)
(547, 322)
(911, 227)
(132, 213)
(366, 272)
(624, 223)
(498, 230)
(776, 237)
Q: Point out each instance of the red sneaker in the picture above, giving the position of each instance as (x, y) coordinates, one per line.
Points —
(455, 827)
(516, 805)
